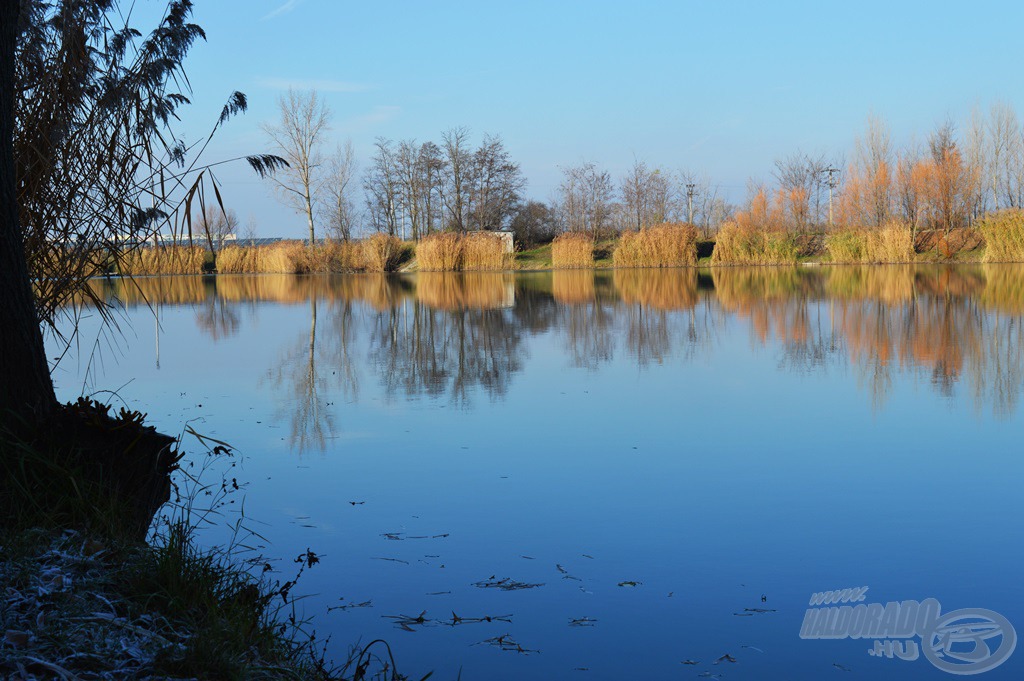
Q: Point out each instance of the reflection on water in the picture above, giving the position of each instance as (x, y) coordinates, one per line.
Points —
(441, 334)
(703, 437)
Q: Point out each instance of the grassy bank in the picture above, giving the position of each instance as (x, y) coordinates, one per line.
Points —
(997, 238)
(87, 597)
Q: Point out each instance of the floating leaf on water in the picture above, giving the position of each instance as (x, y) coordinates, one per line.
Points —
(505, 584)
(582, 622)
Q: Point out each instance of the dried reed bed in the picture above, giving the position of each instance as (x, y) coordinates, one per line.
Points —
(670, 290)
(892, 243)
(1004, 236)
(573, 287)
(572, 250)
(451, 252)
(482, 251)
(163, 260)
(665, 245)
(441, 252)
(381, 253)
(457, 291)
(746, 245)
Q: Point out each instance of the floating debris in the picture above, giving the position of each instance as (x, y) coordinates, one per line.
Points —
(582, 622)
(630, 583)
(357, 503)
(690, 662)
(438, 593)
(406, 623)
(456, 620)
(565, 573)
(393, 560)
(505, 584)
(753, 648)
(759, 610)
(725, 658)
(841, 667)
(349, 606)
(506, 642)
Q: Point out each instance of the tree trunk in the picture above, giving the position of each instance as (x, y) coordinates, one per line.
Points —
(25, 385)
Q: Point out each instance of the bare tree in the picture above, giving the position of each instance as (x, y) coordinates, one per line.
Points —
(431, 167)
(534, 223)
(647, 195)
(249, 231)
(586, 198)
(801, 179)
(950, 179)
(411, 186)
(338, 208)
(495, 185)
(382, 185)
(458, 159)
(217, 225)
(298, 137)
(874, 159)
(1005, 157)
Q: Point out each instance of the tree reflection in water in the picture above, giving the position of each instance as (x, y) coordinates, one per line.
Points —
(452, 336)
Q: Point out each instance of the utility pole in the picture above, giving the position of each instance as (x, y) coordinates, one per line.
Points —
(689, 201)
(832, 183)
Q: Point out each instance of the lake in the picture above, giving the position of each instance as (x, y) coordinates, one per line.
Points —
(626, 471)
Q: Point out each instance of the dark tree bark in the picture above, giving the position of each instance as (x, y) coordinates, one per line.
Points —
(26, 388)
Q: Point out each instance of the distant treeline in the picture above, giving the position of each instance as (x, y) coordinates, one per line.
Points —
(872, 202)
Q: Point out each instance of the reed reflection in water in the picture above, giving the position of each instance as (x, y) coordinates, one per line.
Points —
(457, 336)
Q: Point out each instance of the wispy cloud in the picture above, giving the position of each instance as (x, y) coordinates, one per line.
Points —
(283, 9)
(376, 116)
(323, 85)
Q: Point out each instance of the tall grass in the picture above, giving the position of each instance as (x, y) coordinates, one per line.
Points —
(483, 251)
(665, 245)
(164, 260)
(891, 243)
(441, 252)
(572, 250)
(1004, 236)
(746, 245)
(381, 253)
(452, 252)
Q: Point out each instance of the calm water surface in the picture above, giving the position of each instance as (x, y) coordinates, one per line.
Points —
(729, 441)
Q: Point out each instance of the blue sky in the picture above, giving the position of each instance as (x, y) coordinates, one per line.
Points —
(717, 87)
